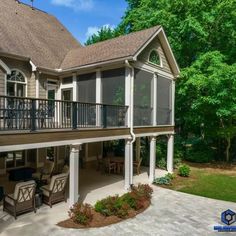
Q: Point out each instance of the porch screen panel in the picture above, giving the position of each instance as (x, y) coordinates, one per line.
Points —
(113, 93)
(87, 88)
(164, 101)
(113, 86)
(87, 94)
(142, 98)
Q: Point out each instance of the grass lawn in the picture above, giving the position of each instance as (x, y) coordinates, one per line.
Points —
(208, 181)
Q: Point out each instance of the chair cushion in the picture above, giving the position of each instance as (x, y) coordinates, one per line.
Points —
(24, 191)
(58, 182)
(9, 200)
(45, 190)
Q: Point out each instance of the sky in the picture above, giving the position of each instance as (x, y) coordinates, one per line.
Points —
(83, 17)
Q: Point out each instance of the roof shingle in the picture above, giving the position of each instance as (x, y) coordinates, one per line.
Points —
(120, 47)
(34, 34)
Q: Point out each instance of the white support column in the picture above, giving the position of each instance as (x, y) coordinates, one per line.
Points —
(170, 153)
(74, 174)
(127, 94)
(75, 89)
(152, 159)
(128, 164)
(98, 97)
(154, 100)
(173, 103)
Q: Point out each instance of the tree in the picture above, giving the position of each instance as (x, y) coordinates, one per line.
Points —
(207, 94)
(192, 27)
(103, 34)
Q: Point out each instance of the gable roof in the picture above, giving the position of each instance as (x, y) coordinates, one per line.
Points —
(117, 48)
(34, 34)
(121, 48)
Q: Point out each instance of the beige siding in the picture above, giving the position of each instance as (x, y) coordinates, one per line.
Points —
(42, 84)
(42, 154)
(2, 82)
(94, 149)
(155, 44)
(26, 68)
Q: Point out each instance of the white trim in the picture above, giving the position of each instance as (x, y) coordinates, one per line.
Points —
(127, 94)
(154, 99)
(173, 103)
(60, 143)
(17, 82)
(152, 165)
(34, 67)
(151, 69)
(154, 134)
(98, 96)
(74, 86)
(5, 67)
(37, 84)
(166, 48)
(148, 42)
(170, 154)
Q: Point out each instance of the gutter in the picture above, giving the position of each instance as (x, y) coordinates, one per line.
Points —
(131, 102)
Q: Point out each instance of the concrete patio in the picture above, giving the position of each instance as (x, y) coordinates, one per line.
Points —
(171, 213)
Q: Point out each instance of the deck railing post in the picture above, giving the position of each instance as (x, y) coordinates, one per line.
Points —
(104, 114)
(33, 115)
(74, 115)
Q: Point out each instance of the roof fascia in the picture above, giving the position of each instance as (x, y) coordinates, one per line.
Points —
(167, 50)
(5, 67)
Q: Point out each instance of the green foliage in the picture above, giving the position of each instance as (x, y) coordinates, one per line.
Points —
(184, 171)
(161, 163)
(103, 34)
(199, 151)
(192, 27)
(120, 206)
(207, 94)
(166, 180)
(81, 213)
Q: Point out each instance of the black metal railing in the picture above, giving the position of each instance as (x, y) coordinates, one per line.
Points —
(38, 114)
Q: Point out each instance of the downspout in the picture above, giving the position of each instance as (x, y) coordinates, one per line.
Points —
(131, 102)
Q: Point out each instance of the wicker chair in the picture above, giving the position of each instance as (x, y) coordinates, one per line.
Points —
(55, 191)
(45, 173)
(22, 200)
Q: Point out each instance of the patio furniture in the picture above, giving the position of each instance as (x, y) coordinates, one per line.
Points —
(22, 200)
(1, 193)
(100, 163)
(44, 174)
(55, 191)
(137, 165)
(21, 174)
(110, 166)
(119, 161)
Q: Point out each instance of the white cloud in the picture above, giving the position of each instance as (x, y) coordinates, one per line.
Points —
(94, 29)
(75, 4)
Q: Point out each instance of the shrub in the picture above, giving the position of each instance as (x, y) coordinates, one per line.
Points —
(161, 163)
(184, 170)
(120, 206)
(166, 180)
(81, 213)
(177, 162)
(199, 151)
(143, 190)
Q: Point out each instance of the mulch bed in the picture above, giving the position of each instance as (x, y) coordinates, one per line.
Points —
(100, 221)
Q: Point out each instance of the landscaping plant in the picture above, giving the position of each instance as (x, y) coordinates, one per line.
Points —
(166, 180)
(184, 171)
(81, 213)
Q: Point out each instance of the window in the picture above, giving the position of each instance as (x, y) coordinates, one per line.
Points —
(154, 58)
(16, 84)
(15, 159)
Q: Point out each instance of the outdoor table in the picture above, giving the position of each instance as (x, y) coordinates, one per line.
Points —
(119, 163)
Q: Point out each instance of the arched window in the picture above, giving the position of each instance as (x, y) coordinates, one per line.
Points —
(16, 84)
(154, 58)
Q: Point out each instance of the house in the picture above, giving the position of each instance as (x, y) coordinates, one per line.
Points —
(60, 99)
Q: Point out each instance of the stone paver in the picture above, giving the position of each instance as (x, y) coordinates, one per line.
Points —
(171, 213)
